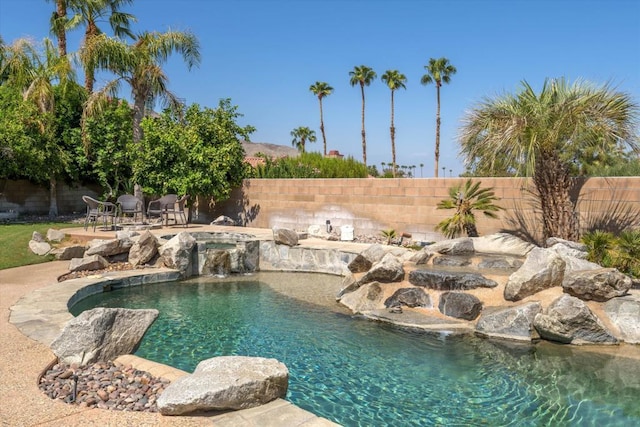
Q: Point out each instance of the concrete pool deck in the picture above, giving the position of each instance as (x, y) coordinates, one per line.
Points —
(23, 359)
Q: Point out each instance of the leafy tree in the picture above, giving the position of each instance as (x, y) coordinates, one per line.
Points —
(194, 151)
(88, 13)
(394, 80)
(139, 65)
(321, 89)
(363, 76)
(541, 133)
(465, 199)
(438, 71)
(300, 136)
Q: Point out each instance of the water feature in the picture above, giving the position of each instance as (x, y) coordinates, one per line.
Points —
(361, 373)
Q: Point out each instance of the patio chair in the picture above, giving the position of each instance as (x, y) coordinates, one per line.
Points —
(177, 209)
(97, 210)
(129, 205)
(158, 208)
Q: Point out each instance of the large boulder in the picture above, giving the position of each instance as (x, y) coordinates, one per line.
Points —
(365, 260)
(451, 261)
(501, 263)
(421, 257)
(107, 248)
(460, 305)
(366, 298)
(449, 281)
(55, 236)
(597, 285)
(409, 297)
(143, 249)
(389, 269)
(69, 252)
(349, 284)
(102, 334)
(177, 253)
(624, 313)
(39, 247)
(514, 323)
(285, 236)
(88, 263)
(568, 320)
(226, 383)
(578, 246)
(502, 244)
(542, 269)
(459, 246)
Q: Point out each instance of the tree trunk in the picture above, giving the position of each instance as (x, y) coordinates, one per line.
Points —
(364, 139)
(61, 32)
(53, 197)
(324, 138)
(553, 183)
(89, 69)
(471, 230)
(437, 160)
(393, 138)
(138, 115)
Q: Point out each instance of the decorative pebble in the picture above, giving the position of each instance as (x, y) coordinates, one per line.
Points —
(105, 386)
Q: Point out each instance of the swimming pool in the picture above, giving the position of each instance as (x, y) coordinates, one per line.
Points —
(362, 373)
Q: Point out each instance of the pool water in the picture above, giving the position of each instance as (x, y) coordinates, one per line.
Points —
(361, 373)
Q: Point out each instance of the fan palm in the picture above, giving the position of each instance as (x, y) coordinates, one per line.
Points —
(321, 89)
(394, 80)
(58, 24)
(300, 136)
(465, 199)
(363, 76)
(139, 65)
(438, 71)
(541, 133)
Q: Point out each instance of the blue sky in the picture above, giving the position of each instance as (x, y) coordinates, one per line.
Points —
(265, 54)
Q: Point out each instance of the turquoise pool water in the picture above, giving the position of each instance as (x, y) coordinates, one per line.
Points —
(361, 373)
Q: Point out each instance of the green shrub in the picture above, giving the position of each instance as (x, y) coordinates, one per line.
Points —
(311, 165)
(621, 252)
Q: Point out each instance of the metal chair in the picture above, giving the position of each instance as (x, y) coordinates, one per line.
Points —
(158, 208)
(129, 205)
(177, 209)
(99, 210)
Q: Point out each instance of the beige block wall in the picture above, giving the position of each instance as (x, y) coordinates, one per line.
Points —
(372, 205)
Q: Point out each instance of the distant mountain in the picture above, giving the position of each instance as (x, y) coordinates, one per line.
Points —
(270, 150)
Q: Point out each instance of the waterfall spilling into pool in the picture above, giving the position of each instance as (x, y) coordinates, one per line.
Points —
(362, 373)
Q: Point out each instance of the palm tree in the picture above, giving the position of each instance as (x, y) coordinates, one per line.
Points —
(58, 25)
(421, 166)
(363, 76)
(438, 71)
(36, 74)
(87, 14)
(466, 199)
(300, 136)
(139, 65)
(394, 80)
(541, 133)
(321, 89)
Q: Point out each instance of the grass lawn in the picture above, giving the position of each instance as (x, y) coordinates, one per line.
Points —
(14, 243)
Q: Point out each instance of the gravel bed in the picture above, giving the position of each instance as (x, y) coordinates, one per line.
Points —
(104, 385)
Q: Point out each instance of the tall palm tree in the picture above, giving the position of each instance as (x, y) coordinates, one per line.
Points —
(321, 89)
(300, 136)
(465, 199)
(58, 24)
(363, 76)
(88, 13)
(36, 74)
(394, 80)
(438, 71)
(541, 133)
(140, 65)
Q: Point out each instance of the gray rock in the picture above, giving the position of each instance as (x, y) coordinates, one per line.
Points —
(542, 269)
(552, 241)
(365, 260)
(54, 235)
(565, 250)
(421, 257)
(449, 281)
(37, 236)
(224, 383)
(349, 284)
(459, 246)
(568, 320)
(69, 252)
(223, 220)
(88, 263)
(507, 263)
(107, 248)
(126, 234)
(515, 323)
(573, 264)
(409, 297)
(625, 315)
(177, 253)
(366, 298)
(389, 269)
(597, 285)
(460, 305)
(451, 261)
(502, 244)
(285, 236)
(143, 249)
(102, 334)
(39, 248)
